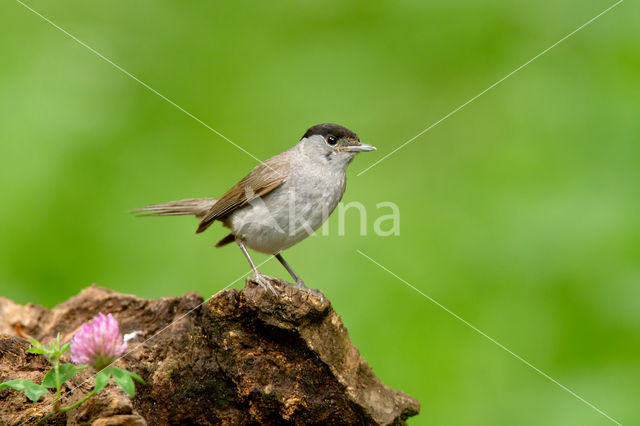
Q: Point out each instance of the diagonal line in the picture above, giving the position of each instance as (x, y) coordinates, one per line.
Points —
(492, 86)
(500, 345)
(189, 312)
(142, 83)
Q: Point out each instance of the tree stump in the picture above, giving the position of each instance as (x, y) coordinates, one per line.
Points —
(242, 357)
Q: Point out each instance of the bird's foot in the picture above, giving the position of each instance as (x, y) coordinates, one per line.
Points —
(264, 282)
(300, 284)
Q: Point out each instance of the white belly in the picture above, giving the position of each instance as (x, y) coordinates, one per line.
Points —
(288, 214)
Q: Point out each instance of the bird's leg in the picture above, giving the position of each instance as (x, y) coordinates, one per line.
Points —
(257, 276)
(299, 283)
(290, 270)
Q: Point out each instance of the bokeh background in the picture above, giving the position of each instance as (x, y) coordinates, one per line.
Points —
(520, 213)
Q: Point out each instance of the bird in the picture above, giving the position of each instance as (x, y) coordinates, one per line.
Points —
(281, 201)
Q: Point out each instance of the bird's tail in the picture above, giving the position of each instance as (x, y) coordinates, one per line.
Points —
(197, 207)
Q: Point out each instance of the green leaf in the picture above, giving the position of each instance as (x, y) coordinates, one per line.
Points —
(17, 384)
(65, 348)
(66, 371)
(102, 378)
(35, 343)
(123, 379)
(33, 391)
(37, 347)
(49, 380)
(136, 377)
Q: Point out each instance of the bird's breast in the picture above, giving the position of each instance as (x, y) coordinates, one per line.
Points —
(289, 213)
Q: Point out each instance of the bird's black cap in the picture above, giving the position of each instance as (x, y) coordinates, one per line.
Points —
(330, 129)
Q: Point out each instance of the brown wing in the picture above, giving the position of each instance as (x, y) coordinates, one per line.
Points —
(266, 177)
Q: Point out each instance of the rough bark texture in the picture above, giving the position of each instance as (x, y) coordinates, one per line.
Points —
(243, 357)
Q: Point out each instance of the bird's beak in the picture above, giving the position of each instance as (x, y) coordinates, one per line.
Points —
(359, 148)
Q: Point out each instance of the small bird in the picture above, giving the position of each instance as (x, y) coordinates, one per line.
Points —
(282, 201)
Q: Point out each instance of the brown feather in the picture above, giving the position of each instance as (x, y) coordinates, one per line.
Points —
(263, 179)
(226, 240)
(191, 206)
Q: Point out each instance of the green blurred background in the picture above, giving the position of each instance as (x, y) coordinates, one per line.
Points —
(520, 213)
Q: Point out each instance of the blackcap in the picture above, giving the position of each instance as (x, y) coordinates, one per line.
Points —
(282, 201)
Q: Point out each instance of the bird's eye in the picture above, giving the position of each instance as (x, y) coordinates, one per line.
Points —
(331, 140)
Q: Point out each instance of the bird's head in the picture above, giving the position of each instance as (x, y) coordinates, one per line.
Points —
(332, 144)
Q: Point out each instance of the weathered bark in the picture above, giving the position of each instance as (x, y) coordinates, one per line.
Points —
(243, 357)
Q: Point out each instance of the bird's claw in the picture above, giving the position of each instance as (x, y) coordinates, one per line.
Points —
(300, 285)
(264, 282)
